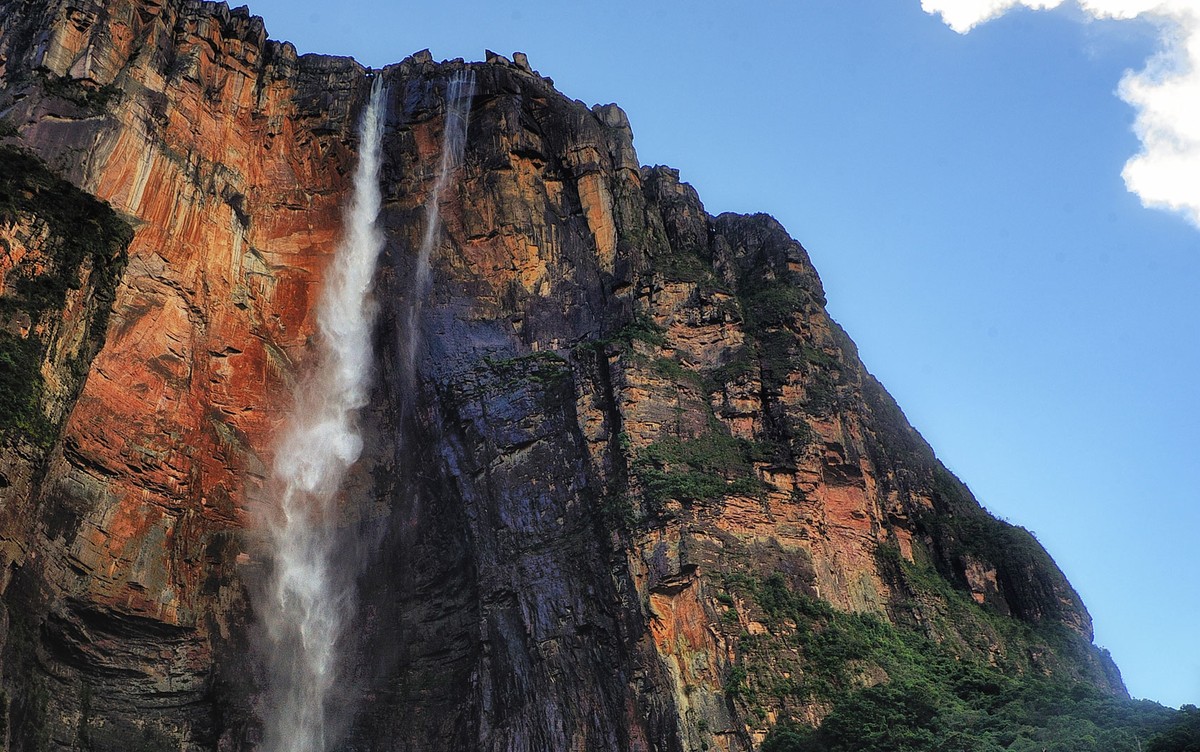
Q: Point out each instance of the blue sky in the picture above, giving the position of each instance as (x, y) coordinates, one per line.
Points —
(961, 196)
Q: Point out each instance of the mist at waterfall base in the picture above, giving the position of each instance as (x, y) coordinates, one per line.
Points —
(306, 606)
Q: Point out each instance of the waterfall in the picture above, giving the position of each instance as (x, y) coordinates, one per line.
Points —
(454, 136)
(307, 597)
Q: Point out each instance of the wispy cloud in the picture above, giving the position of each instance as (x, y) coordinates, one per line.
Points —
(1166, 93)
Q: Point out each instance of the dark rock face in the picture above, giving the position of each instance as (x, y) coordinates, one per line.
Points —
(629, 415)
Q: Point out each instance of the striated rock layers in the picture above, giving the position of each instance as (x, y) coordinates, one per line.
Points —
(633, 421)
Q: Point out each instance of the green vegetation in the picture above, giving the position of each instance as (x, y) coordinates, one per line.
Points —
(684, 261)
(7, 129)
(782, 353)
(682, 266)
(534, 368)
(973, 709)
(892, 689)
(961, 531)
(1181, 735)
(705, 468)
(672, 369)
(741, 363)
(618, 511)
(772, 304)
(641, 329)
(542, 376)
(977, 533)
(79, 92)
(770, 308)
(21, 387)
(83, 232)
(835, 647)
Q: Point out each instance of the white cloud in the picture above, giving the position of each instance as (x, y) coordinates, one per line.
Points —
(964, 15)
(1166, 93)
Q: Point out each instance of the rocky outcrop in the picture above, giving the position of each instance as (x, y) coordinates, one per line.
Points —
(633, 421)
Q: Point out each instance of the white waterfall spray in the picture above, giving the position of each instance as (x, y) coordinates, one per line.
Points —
(454, 135)
(307, 598)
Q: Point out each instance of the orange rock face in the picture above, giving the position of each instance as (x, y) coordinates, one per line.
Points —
(235, 197)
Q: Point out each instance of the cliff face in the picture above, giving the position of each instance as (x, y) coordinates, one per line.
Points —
(634, 429)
